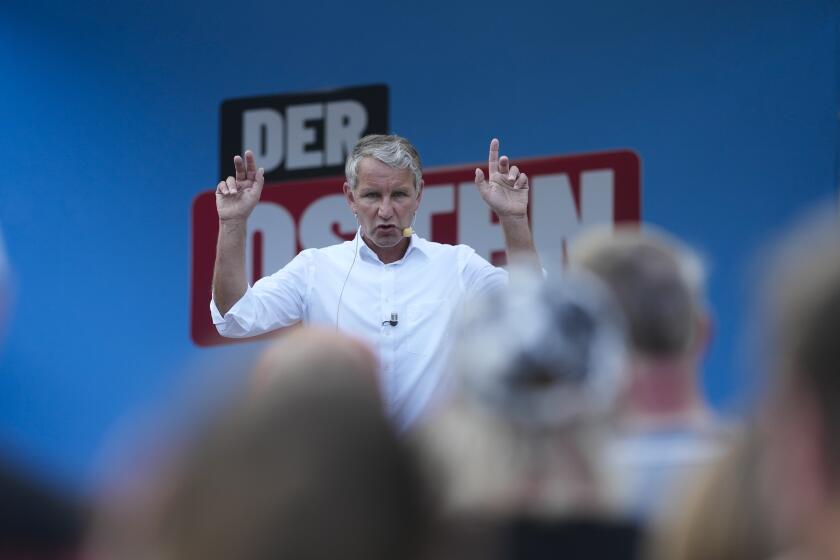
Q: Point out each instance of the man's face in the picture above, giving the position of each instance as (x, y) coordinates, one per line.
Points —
(385, 201)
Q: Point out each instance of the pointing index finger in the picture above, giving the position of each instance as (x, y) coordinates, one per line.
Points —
(493, 161)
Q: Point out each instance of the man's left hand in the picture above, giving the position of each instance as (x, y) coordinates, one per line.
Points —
(506, 191)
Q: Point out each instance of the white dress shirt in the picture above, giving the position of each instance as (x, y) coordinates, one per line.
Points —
(422, 289)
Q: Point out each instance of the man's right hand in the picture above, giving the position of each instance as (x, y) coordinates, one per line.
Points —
(237, 197)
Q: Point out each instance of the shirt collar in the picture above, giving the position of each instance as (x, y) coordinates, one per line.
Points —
(415, 245)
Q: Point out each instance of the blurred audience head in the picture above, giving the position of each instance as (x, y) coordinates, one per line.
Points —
(303, 464)
(659, 283)
(537, 368)
(666, 432)
(38, 521)
(314, 347)
(802, 417)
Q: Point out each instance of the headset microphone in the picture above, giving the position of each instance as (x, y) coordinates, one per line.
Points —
(409, 231)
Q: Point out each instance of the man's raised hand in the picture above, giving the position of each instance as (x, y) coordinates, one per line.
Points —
(237, 196)
(506, 189)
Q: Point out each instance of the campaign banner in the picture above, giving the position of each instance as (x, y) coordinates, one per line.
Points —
(301, 135)
(568, 193)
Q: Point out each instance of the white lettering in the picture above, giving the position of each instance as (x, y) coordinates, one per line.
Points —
(278, 238)
(439, 199)
(475, 226)
(300, 136)
(555, 217)
(319, 218)
(346, 120)
(262, 133)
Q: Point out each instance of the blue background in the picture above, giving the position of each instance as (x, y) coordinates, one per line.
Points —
(110, 127)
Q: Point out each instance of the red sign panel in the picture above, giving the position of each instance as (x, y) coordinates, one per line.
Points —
(567, 194)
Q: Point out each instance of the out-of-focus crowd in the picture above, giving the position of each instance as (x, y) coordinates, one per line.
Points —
(572, 425)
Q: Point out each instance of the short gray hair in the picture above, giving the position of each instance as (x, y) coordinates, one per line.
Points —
(392, 150)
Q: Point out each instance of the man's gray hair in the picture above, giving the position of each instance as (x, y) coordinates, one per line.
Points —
(392, 150)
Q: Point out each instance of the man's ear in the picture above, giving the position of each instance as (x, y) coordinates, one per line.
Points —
(350, 197)
(420, 190)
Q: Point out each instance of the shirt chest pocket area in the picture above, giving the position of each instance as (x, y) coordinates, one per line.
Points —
(427, 322)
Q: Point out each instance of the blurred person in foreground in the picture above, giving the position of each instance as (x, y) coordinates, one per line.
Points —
(667, 432)
(303, 464)
(515, 454)
(723, 514)
(801, 419)
(37, 519)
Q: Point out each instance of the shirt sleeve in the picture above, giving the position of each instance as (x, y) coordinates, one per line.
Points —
(479, 276)
(273, 302)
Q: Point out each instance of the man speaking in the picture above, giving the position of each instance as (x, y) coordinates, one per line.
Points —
(387, 286)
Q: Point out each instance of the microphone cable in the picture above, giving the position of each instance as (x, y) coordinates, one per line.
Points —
(341, 293)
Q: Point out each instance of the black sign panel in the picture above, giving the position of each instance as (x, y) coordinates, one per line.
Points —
(303, 134)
